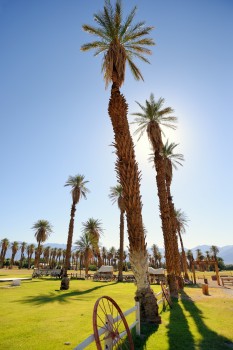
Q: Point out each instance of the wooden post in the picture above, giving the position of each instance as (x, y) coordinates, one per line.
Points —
(138, 325)
(108, 338)
(194, 276)
(205, 289)
(217, 272)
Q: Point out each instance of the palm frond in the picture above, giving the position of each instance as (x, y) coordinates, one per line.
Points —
(134, 69)
(128, 22)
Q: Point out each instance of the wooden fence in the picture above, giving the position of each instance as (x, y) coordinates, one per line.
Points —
(136, 323)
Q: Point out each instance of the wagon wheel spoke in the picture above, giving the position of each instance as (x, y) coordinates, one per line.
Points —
(106, 310)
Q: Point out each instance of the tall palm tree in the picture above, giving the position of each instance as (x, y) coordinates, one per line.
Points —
(181, 223)
(85, 244)
(22, 250)
(42, 229)
(94, 228)
(78, 190)
(14, 249)
(121, 41)
(116, 195)
(150, 119)
(4, 246)
(30, 252)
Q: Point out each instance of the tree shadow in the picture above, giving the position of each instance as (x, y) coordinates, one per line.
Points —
(146, 331)
(209, 339)
(60, 296)
(179, 334)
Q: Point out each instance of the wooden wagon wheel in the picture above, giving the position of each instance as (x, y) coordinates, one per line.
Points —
(166, 294)
(110, 327)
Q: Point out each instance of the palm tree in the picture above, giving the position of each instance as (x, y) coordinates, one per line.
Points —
(30, 251)
(85, 244)
(46, 253)
(214, 250)
(78, 191)
(94, 228)
(59, 254)
(155, 253)
(104, 253)
(121, 41)
(181, 223)
(116, 195)
(42, 229)
(14, 249)
(190, 258)
(22, 250)
(4, 246)
(150, 119)
(171, 161)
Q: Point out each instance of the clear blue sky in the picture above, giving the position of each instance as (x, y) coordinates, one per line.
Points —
(54, 121)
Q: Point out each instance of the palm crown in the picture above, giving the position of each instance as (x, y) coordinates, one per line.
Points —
(182, 219)
(120, 41)
(43, 229)
(93, 227)
(78, 187)
(167, 153)
(152, 113)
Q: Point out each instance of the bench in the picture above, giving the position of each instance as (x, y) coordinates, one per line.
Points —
(227, 281)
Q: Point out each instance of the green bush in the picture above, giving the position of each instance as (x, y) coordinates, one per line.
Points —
(92, 268)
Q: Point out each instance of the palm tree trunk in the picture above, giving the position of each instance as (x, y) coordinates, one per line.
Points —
(65, 283)
(166, 222)
(129, 178)
(37, 256)
(184, 261)
(120, 263)
(174, 239)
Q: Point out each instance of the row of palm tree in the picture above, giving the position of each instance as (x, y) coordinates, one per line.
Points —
(53, 256)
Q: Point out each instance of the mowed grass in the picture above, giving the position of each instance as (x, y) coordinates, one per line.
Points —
(37, 315)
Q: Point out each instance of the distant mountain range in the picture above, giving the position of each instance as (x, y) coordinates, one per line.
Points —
(226, 252)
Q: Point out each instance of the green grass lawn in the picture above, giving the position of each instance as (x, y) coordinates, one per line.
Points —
(38, 316)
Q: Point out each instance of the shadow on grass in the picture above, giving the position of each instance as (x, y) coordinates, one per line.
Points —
(209, 339)
(146, 331)
(60, 296)
(179, 334)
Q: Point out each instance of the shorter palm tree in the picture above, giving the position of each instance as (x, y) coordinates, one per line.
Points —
(116, 195)
(14, 249)
(4, 246)
(86, 243)
(94, 228)
(181, 223)
(214, 250)
(22, 250)
(42, 229)
(190, 258)
(30, 252)
(78, 190)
